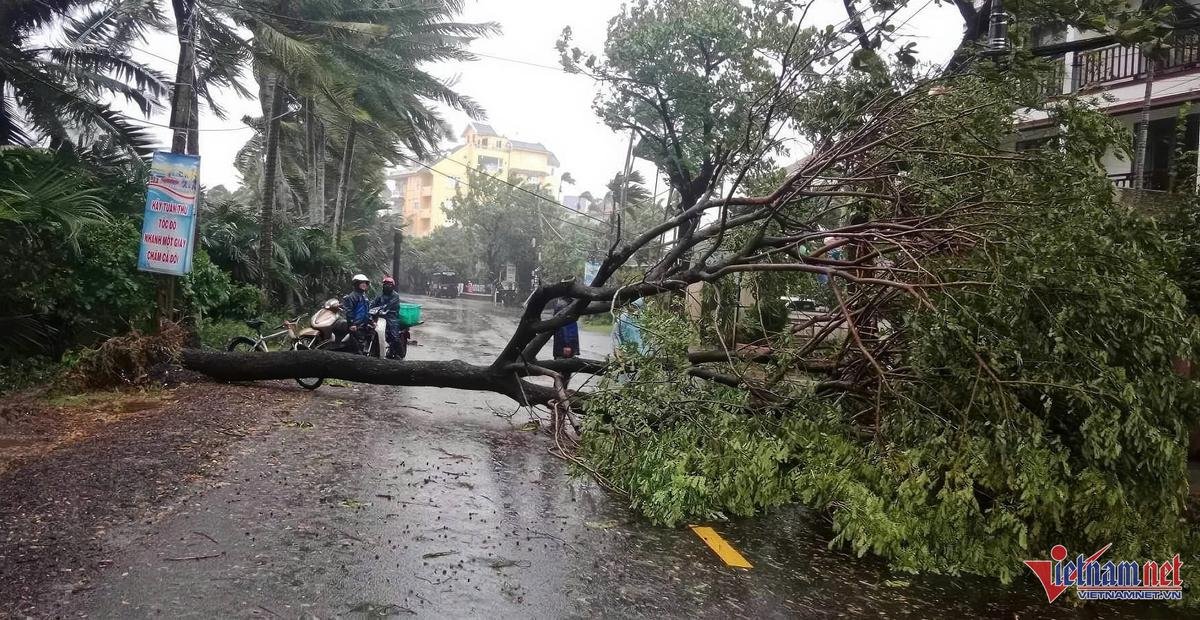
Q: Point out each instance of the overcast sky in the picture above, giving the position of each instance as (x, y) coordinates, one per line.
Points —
(526, 96)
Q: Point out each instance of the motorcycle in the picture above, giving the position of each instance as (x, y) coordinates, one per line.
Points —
(333, 334)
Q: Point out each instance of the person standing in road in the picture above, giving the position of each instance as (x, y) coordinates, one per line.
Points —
(566, 338)
(625, 332)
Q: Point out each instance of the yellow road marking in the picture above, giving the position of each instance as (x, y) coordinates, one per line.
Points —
(719, 546)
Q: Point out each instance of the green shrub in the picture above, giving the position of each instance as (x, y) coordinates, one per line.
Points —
(34, 371)
(768, 316)
(1184, 225)
(216, 333)
(1075, 433)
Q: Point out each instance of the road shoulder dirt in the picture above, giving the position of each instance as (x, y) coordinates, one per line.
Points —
(73, 469)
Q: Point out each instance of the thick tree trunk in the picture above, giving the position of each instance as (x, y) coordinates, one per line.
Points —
(322, 196)
(339, 208)
(193, 131)
(7, 125)
(266, 239)
(292, 364)
(314, 137)
(182, 95)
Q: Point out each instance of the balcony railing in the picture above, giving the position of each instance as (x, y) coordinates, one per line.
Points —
(1052, 86)
(1123, 180)
(1116, 63)
(1156, 180)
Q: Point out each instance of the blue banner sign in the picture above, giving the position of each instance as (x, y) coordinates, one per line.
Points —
(170, 215)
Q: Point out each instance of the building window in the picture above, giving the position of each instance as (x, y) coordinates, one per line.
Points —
(1171, 145)
(491, 165)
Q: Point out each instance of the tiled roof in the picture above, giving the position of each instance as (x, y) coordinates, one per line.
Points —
(536, 147)
(484, 129)
(529, 146)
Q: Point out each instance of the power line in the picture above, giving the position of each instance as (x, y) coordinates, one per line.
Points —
(570, 223)
(138, 120)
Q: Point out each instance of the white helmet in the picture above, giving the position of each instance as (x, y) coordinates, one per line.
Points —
(358, 277)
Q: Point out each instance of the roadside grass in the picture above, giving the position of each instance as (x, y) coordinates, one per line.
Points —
(599, 323)
(123, 400)
(597, 328)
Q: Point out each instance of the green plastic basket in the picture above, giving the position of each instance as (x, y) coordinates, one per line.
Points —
(410, 314)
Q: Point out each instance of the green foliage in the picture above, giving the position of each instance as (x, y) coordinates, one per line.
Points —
(684, 448)
(83, 293)
(448, 248)
(499, 224)
(1074, 432)
(1035, 404)
(216, 333)
(768, 315)
(1069, 427)
(681, 461)
(309, 267)
(1184, 226)
(57, 91)
(44, 190)
(208, 290)
(698, 66)
(35, 371)
(70, 270)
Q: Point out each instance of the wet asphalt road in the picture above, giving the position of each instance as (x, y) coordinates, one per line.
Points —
(374, 501)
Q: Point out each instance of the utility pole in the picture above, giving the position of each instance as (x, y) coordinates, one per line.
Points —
(997, 30)
(397, 240)
(181, 126)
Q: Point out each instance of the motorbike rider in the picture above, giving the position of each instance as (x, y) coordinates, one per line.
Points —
(357, 307)
(390, 301)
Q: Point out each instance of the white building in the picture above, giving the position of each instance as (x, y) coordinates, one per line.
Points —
(1113, 76)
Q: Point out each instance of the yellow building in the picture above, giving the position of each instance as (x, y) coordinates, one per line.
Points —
(422, 193)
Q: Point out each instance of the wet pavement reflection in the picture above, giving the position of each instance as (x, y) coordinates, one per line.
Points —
(375, 501)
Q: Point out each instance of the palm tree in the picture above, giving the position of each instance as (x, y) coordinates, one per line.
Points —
(567, 179)
(53, 91)
(383, 88)
(350, 66)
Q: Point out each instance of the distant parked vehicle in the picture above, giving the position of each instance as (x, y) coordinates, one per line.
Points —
(801, 304)
(506, 294)
(444, 284)
(807, 317)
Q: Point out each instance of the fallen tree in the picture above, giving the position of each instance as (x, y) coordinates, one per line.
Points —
(988, 379)
(332, 365)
